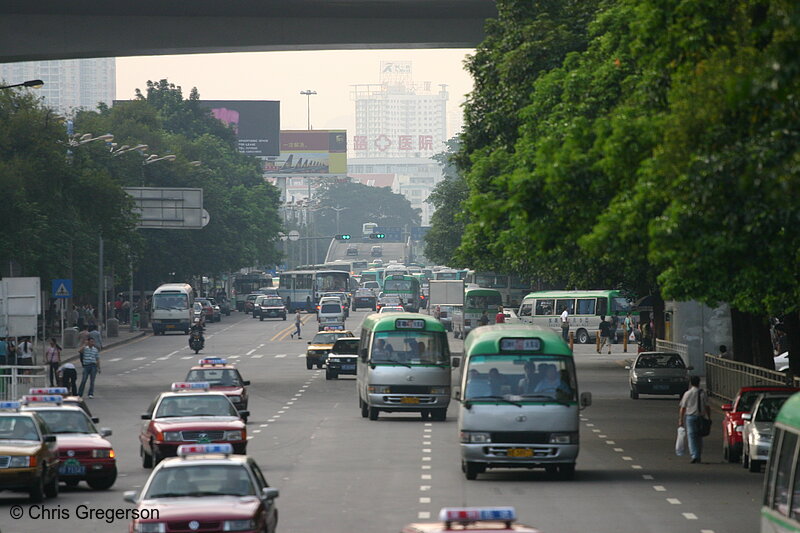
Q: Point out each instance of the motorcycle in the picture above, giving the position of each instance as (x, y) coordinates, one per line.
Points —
(196, 340)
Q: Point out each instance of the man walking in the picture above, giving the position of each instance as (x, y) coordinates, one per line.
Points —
(94, 333)
(605, 335)
(694, 406)
(297, 323)
(90, 357)
(565, 324)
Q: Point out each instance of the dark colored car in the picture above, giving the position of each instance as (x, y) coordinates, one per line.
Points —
(364, 298)
(342, 358)
(269, 307)
(658, 373)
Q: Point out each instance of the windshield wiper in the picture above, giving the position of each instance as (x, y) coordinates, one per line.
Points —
(545, 396)
(71, 431)
(169, 495)
(498, 398)
(392, 361)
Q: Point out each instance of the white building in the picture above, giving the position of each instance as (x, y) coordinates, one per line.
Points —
(68, 84)
(400, 124)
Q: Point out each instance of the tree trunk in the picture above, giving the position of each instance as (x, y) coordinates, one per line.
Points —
(791, 323)
(659, 324)
(751, 340)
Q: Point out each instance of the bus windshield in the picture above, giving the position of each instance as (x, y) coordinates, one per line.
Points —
(525, 376)
(332, 280)
(405, 285)
(170, 301)
(483, 301)
(491, 281)
(410, 347)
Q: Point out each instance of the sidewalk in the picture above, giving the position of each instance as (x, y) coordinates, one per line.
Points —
(125, 336)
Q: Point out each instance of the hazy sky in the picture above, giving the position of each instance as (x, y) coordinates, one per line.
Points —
(282, 75)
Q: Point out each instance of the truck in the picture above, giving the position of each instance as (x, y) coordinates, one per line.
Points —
(448, 297)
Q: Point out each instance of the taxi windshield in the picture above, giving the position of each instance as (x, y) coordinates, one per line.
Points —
(660, 360)
(67, 421)
(195, 405)
(410, 347)
(200, 480)
(521, 376)
(18, 428)
(326, 338)
(223, 377)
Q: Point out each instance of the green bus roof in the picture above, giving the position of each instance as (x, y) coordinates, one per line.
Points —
(789, 415)
(573, 294)
(481, 291)
(485, 340)
(385, 321)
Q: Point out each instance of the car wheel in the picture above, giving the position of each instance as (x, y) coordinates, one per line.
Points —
(284, 317)
(309, 364)
(51, 488)
(471, 470)
(582, 337)
(36, 492)
(147, 460)
(634, 394)
(328, 376)
(261, 318)
(373, 413)
(439, 415)
(745, 458)
(754, 466)
(364, 408)
(103, 483)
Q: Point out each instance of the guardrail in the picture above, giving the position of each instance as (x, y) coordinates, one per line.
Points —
(15, 380)
(724, 377)
(677, 347)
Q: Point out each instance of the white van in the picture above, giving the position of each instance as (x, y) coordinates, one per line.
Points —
(330, 312)
(172, 308)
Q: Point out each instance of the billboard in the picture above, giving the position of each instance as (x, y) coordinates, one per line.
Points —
(309, 152)
(257, 123)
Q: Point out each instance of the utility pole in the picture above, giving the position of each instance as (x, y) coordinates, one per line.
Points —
(308, 93)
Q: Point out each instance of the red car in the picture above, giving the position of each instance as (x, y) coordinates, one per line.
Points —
(84, 452)
(189, 415)
(732, 421)
(222, 377)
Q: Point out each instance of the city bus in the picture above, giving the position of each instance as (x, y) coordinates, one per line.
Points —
(446, 274)
(518, 401)
(585, 308)
(244, 284)
(476, 301)
(373, 274)
(403, 366)
(512, 288)
(301, 289)
(780, 507)
(405, 287)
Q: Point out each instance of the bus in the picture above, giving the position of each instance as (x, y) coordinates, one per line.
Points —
(519, 401)
(372, 274)
(476, 301)
(446, 274)
(403, 366)
(405, 287)
(780, 506)
(244, 284)
(513, 288)
(585, 308)
(301, 289)
(368, 228)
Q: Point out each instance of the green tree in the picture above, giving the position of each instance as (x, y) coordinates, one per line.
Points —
(448, 221)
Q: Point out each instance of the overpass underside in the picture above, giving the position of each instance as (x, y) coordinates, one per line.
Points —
(54, 29)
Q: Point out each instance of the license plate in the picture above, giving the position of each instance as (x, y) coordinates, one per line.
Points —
(520, 452)
(409, 400)
(660, 387)
(72, 468)
(170, 326)
(348, 367)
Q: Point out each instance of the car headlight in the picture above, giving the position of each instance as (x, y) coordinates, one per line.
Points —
(172, 436)
(440, 390)
(235, 399)
(233, 435)
(103, 454)
(150, 527)
(238, 525)
(475, 437)
(378, 389)
(564, 438)
(21, 461)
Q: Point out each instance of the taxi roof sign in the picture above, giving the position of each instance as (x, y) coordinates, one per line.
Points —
(179, 386)
(10, 406)
(197, 449)
(42, 398)
(467, 515)
(48, 390)
(213, 361)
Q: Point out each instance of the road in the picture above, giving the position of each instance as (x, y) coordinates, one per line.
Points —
(338, 472)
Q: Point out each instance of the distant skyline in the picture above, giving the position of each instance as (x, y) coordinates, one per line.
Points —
(282, 75)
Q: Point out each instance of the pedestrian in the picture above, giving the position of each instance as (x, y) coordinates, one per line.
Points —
(612, 338)
(694, 407)
(81, 310)
(500, 317)
(69, 378)
(605, 334)
(25, 352)
(118, 308)
(126, 311)
(297, 323)
(83, 336)
(3, 351)
(437, 313)
(95, 333)
(628, 324)
(724, 353)
(52, 357)
(565, 324)
(72, 316)
(484, 319)
(90, 358)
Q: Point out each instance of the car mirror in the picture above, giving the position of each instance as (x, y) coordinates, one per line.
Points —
(627, 367)
(129, 496)
(747, 416)
(145, 416)
(269, 493)
(456, 362)
(586, 399)
(244, 414)
(105, 432)
(246, 382)
(727, 407)
(49, 438)
(95, 420)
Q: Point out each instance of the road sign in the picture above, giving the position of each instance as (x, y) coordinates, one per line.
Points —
(62, 288)
(418, 232)
(294, 235)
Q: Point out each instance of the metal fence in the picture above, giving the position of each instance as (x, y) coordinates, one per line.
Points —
(677, 347)
(724, 377)
(15, 380)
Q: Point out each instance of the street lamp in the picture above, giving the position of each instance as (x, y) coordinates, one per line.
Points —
(308, 93)
(33, 84)
(152, 158)
(124, 149)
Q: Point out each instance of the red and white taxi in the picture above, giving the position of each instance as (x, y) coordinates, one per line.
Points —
(222, 377)
(732, 423)
(190, 414)
(475, 519)
(83, 451)
(205, 488)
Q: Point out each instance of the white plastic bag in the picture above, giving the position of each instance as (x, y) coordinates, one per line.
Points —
(680, 442)
(632, 336)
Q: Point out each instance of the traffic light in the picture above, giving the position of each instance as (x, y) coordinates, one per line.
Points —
(377, 235)
(344, 237)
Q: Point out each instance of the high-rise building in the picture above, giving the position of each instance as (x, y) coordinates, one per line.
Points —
(400, 125)
(69, 83)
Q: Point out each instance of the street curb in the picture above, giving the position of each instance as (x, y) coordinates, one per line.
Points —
(110, 345)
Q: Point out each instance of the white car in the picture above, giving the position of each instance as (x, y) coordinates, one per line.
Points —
(511, 316)
(782, 362)
(757, 429)
(392, 309)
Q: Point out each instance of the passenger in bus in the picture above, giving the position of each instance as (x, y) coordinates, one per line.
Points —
(552, 385)
(477, 385)
(382, 350)
(496, 382)
(527, 385)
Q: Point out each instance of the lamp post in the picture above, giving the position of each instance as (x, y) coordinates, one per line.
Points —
(33, 84)
(308, 93)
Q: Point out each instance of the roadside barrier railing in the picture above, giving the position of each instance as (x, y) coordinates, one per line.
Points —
(724, 377)
(15, 380)
(677, 347)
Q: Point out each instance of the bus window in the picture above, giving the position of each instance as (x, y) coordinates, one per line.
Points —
(620, 306)
(602, 306)
(566, 303)
(544, 307)
(525, 309)
(780, 491)
(302, 281)
(586, 306)
(796, 495)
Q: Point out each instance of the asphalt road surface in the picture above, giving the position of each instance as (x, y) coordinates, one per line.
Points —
(338, 472)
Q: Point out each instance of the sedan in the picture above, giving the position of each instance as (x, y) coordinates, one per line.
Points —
(658, 373)
(757, 431)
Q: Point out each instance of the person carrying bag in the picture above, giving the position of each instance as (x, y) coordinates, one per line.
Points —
(695, 416)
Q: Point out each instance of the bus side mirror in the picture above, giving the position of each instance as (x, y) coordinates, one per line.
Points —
(586, 399)
(456, 362)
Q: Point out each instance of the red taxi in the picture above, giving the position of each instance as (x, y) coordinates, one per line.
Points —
(732, 423)
(475, 519)
(83, 451)
(222, 377)
(205, 489)
(190, 414)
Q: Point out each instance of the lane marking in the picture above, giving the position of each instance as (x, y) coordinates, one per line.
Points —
(426, 443)
(602, 436)
(263, 425)
(426, 476)
(618, 449)
(261, 345)
(674, 501)
(636, 467)
(626, 458)
(424, 488)
(187, 357)
(234, 357)
(258, 356)
(301, 355)
(280, 356)
(647, 476)
(138, 359)
(425, 515)
(595, 431)
(115, 359)
(690, 516)
(428, 424)
(589, 425)
(173, 353)
(610, 442)
(659, 488)
(425, 500)
(426, 450)
(256, 431)
(426, 458)
(426, 467)
(251, 351)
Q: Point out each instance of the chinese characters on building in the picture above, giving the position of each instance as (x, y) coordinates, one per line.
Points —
(385, 142)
